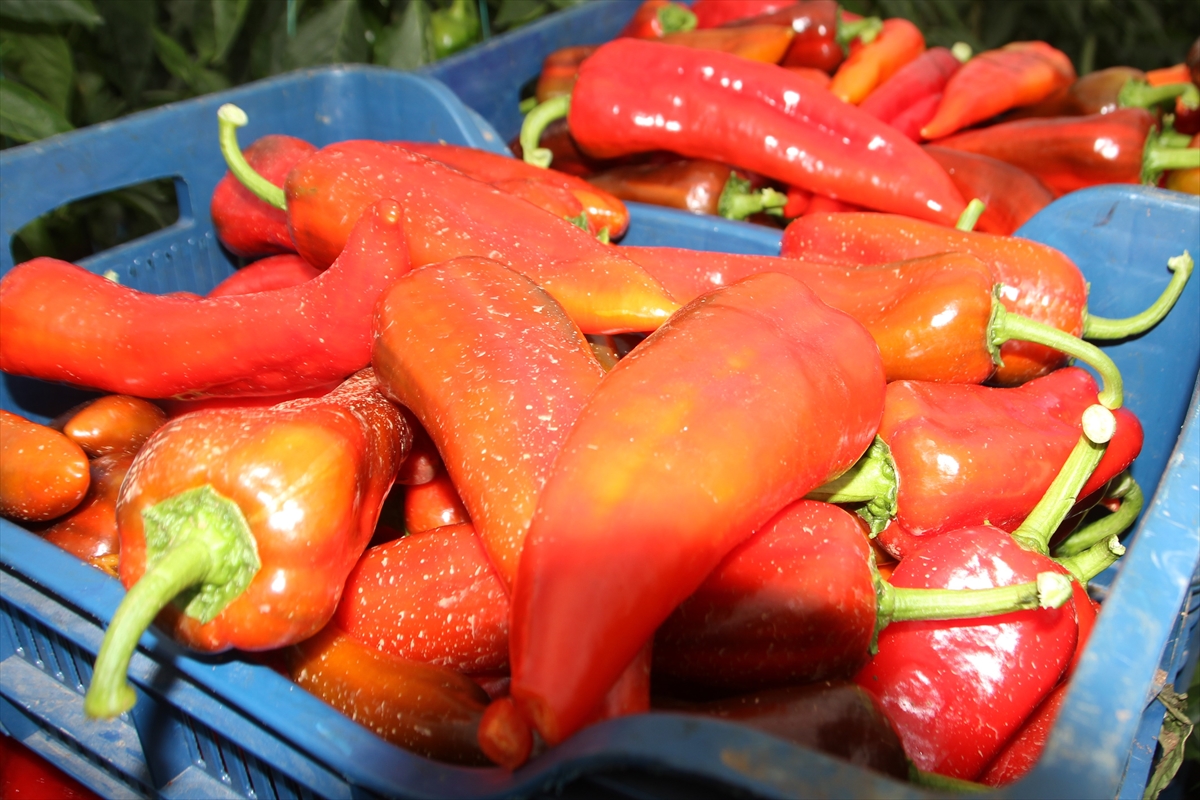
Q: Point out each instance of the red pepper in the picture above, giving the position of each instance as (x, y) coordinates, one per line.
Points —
(1106, 90)
(267, 274)
(1017, 74)
(429, 710)
(822, 31)
(654, 19)
(1038, 281)
(1186, 180)
(1011, 195)
(914, 83)
(957, 692)
(111, 424)
(89, 531)
(559, 193)
(1069, 153)
(798, 601)
(634, 96)
(445, 215)
(431, 597)
(161, 345)
(496, 373)
(696, 185)
(934, 318)
(263, 512)
(662, 454)
(953, 456)
(898, 43)
(763, 43)
(713, 13)
(245, 224)
(43, 474)
(433, 504)
(24, 775)
(559, 71)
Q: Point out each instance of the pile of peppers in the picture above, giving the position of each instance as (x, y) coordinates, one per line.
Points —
(479, 478)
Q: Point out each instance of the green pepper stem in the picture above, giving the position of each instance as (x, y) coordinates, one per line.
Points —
(1088, 563)
(1035, 532)
(1110, 525)
(535, 124)
(1006, 326)
(944, 783)
(865, 30)
(970, 215)
(196, 539)
(870, 482)
(674, 18)
(897, 604)
(1104, 328)
(1173, 138)
(1157, 159)
(229, 119)
(1138, 93)
(738, 201)
(962, 51)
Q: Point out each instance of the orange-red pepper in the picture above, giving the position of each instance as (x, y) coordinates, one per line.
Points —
(433, 504)
(89, 531)
(274, 272)
(43, 474)
(114, 423)
(262, 513)
(654, 19)
(1011, 195)
(869, 65)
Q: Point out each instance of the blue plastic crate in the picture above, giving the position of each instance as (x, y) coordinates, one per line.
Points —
(224, 726)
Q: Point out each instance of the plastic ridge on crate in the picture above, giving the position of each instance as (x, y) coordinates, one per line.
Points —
(226, 726)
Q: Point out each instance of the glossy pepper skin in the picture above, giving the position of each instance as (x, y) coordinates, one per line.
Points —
(957, 691)
(766, 44)
(929, 316)
(1040, 282)
(968, 454)
(89, 531)
(898, 43)
(754, 116)
(43, 474)
(446, 215)
(1067, 153)
(559, 193)
(834, 717)
(920, 82)
(694, 184)
(713, 13)
(1011, 194)
(111, 424)
(267, 274)
(655, 19)
(817, 25)
(496, 372)
(433, 711)
(433, 504)
(267, 343)
(1017, 74)
(693, 441)
(431, 597)
(246, 225)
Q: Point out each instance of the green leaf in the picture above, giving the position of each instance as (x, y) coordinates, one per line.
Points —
(51, 12)
(97, 101)
(127, 45)
(514, 13)
(334, 35)
(228, 18)
(25, 116)
(174, 57)
(43, 63)
(405, 43)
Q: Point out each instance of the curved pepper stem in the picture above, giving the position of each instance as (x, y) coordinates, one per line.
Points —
(1137, 93)
(229, 119)
(1035, 532)
(968, 219)
(196, 540)
(1157, 159)
(1005, 326)
(871, 481)
(535, 124)
(738, 200)
(897, 604)
(1103, 328)
(1089, 563)
(1132, 501)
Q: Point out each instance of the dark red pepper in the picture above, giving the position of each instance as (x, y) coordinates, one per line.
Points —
(245, 224)
(634, 96)
(822, 30)
(696, 185)
(89, 531)
(1011, 195)
(654, 19)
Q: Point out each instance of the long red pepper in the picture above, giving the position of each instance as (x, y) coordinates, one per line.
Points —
(950, 456)
(914, 83)
(898, 43)
(711, 13)
(242, 222)
(149, 345)
(274, 272)
(262, 512)
(822, 32)
(800, 601)
(634, 96)
(1106, 90)
(696, 185)
(1017, 74)
(496, 373)
(1038, 281)
(934, 318)
(1011, 195)
(446, 214)
(689, 444)
(1069, 153)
